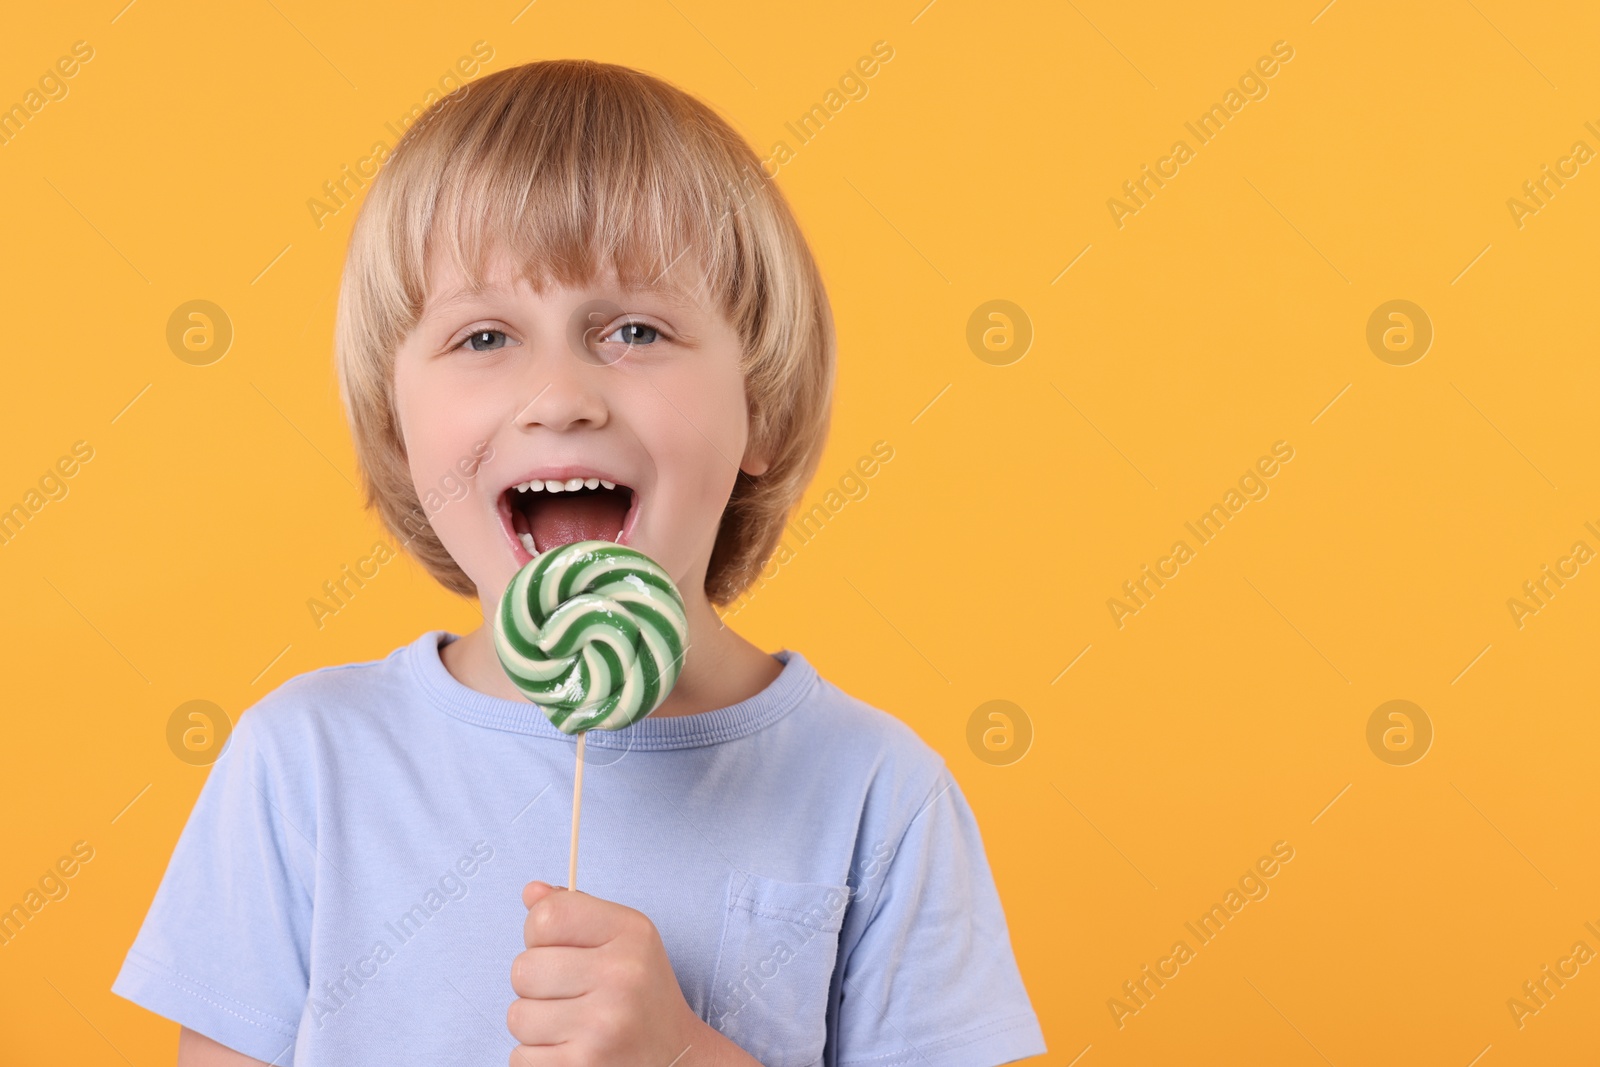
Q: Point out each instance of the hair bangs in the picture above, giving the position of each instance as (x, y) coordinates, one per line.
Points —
(575, 187)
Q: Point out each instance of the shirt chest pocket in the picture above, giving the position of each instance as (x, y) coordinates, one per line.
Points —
(769, 993)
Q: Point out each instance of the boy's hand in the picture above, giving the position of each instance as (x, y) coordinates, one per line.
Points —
(595, 987)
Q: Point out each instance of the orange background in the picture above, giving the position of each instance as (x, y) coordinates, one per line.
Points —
(1230, 312)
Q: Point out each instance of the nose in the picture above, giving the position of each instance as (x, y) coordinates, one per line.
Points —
(561, 391)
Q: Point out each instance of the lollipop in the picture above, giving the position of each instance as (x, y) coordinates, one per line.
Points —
(594, 633)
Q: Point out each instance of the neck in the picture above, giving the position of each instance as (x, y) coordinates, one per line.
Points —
(720, 668)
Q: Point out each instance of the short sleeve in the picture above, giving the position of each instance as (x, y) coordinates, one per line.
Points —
(932, 981)
(223, 949)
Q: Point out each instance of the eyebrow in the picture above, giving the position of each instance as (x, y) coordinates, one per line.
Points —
(459, 297)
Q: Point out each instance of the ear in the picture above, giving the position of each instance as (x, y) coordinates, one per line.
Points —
(757, 456)
(755, 463)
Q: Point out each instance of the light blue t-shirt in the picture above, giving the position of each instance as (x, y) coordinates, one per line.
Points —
(348, 887)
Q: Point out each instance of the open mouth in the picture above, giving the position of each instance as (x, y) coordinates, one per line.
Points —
(540, 515)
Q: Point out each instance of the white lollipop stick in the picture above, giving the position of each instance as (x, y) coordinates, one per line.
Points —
(577, 803)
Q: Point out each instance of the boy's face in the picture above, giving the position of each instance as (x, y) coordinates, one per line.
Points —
(651, 398)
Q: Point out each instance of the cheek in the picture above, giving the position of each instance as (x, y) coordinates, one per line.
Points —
(436, 424)
(696, 436)
(703, 430)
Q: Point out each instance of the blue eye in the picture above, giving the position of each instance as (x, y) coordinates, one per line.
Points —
(635, 333)
(476, 335)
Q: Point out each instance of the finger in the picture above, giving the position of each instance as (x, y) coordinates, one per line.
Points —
(552, 972)
(544, 1022)
(574, 918)
(536, 890)
(542, 1056)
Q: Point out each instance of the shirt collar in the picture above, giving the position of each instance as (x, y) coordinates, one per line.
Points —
(463, 702)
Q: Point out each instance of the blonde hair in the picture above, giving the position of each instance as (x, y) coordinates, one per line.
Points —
(576, 166)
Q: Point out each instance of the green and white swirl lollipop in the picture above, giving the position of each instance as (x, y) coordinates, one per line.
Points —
(593, 633)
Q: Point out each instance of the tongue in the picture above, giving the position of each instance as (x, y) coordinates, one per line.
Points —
(568, 517)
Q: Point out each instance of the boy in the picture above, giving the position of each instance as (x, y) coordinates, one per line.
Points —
(565, 286)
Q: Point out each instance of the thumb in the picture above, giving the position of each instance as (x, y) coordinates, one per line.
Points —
(536, 891)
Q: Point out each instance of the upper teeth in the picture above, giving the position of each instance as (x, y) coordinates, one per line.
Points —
(571, 484)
